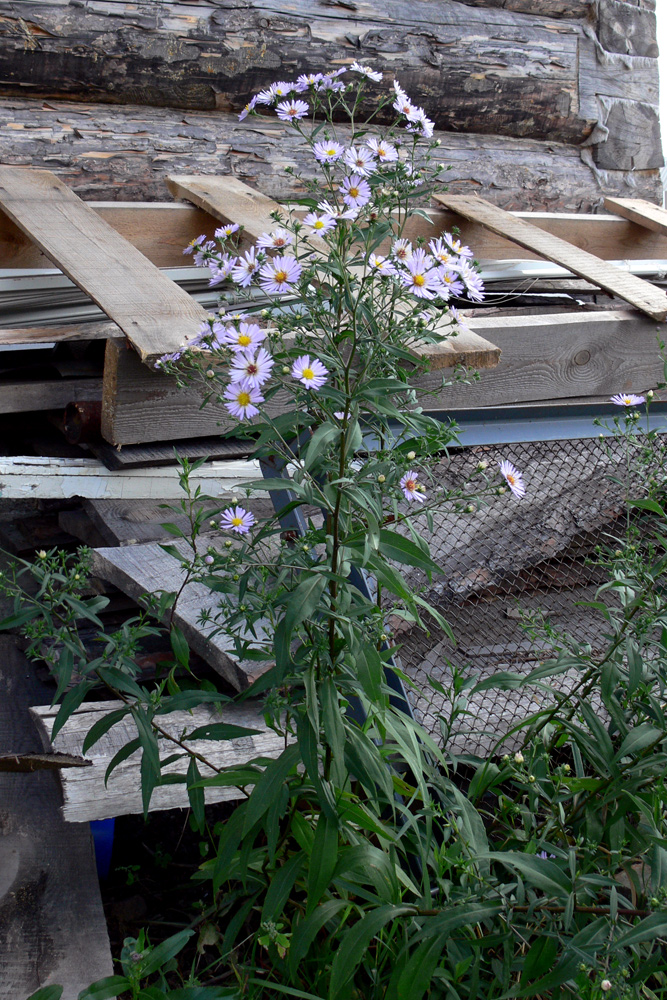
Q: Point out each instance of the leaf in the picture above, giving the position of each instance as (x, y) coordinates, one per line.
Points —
(370, 671)
(541, 956)
(323, 859)
(69, 705)
(638, 739)
(651, 927)
(221, 731)
(179, 646)
(539, 872)
(651, 505)
(308, 929)
(270, 785)
(302, 601)
(280, 886)
(102, 726)
(399, 549)
(196, 793)
(416, 977)
(105, 989)
(120, 756)
(355, 943)
(165, 951)
(47, 992)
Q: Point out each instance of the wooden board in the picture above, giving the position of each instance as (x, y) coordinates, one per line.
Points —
(52, 925)
(141, 456)
(652, 217)
(637, 292)
(28, 477)
(139, 569)
(155, 314)
(558, 356)
(55, 394)
(58, 334)
(87, 797)
(128, 522)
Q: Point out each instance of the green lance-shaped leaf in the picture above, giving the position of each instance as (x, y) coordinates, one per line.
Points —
(102, 726)
(648, 929)
(538, 872)
(302, 601)
(323, 858)
(270, 785)
(221, 731)
(308, 929)
(638, 739)
(47, 993)
(105, 989)
(540, 958)
(354, 945)
(280, 887)
(403, 550)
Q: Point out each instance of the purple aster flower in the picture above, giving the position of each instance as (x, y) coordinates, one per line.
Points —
(442, 252)
(418, 122)
(404, 105)
(242, 400)
(220, 268)
(456, 246)
(278, 274)
(250, 369)
(513, 478)
(321, 224)
(412, 490)
(328, 152)
(472, 281)
(361, 160)
(244, 337)
(336, 213)
(328, 83)
(312, 373)
(381, 265)
(248, 108)
(245, 268)
(237, 519)
(420, 279)
(276, 240)
(356, 191)
(384, 151)
(370, 74)
(224, 232)
(627, 399)
(292, 111)
(166, 358)
(190, 248)
(402, 250)
(307, 80)
(277, 91)
(451, 282)
(203, 252)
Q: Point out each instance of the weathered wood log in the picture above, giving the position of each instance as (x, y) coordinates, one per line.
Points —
(125, 153)
(503, 71)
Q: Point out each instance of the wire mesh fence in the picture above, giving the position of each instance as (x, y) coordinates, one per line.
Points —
(510, 561)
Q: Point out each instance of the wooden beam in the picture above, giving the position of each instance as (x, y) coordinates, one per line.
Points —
(637, 210)
(92, 799)
(53, 926)
(155, 314)
(138, 569)
(26, 477)
(637, 292)
(59, 334)
(23, 397)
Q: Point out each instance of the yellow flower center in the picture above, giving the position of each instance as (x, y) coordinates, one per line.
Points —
(280, 276)
(330, 152)
(627, 400)
(244, 340)
(511, 479)
(354, 192)
(243, 399)
(319, 224)
(308, 373)
(279, 241)
(292, 111)
(381, 151)
(410, 485)
(419, 280)
(237, 521)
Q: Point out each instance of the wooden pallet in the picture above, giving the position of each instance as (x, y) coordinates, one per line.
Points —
(115, 262)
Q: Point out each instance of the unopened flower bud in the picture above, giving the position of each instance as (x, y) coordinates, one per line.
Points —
(381, 478)
(236, 576)
(618, 553)
(42, 554)
(265, 314)
(208, 560)
(482, 465)
(306, 548)
(501, 490)
(650, 394)
(438, 142)
(605, 985)
(77, 576)
(210, 373)
(470, 508)
(567, 768)
(531, 778)
(506, 757)
(383, 637)
(285, 370)
(518, 758)
(228, 544)
(212, 523)
(410, 455)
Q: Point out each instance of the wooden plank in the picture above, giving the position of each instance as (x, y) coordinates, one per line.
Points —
(25, 476)
(137, 569)
(141, 456)
(23, 397)
(155, 314)
(52, 925)
(89, 799)
(626, 286)
(128, 522)
(20, 336)
(558, 356)
(466, 348)
(652, 217)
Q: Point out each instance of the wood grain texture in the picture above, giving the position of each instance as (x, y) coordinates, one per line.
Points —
(26, 477)
(89, 799)
(59, 334)
(142, 456)
(155, 314)
(146, 568)
(521, 69)
(559, 356)
(120, 153)
(128, 522)
(637, 292)
(55, 394)
(652, 217)
(52, 925)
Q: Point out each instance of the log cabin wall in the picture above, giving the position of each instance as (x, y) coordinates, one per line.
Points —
(540, 104)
